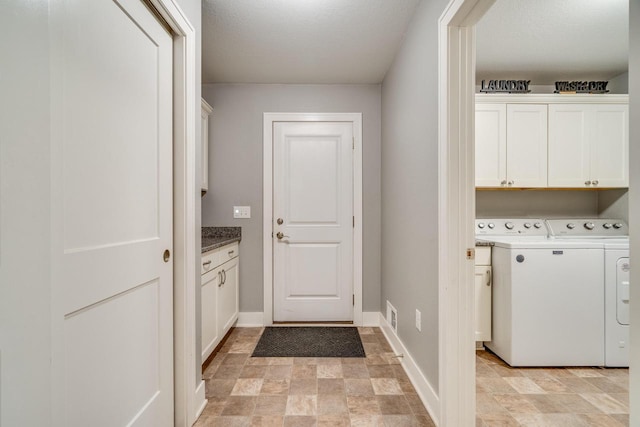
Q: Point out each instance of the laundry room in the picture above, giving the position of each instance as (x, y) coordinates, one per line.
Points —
(552, 211)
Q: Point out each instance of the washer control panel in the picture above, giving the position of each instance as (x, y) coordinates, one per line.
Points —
(587, 227)
(511, 226)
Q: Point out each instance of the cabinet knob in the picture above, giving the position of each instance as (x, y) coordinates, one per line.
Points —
(510, 182)
(595, 182)
(503, 182)
(587, 183)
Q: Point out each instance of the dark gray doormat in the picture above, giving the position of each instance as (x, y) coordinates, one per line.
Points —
(318, 341)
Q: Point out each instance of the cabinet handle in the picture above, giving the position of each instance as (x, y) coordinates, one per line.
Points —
(595, 182)
(206, 263)
(220, 282)
(587, 183)
(224, 274)
(488, 277)
(231, 252)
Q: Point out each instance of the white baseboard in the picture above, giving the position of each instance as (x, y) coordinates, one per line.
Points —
(426, 392)
(200, 402)
(370, 318)
(256, 319)
(249, 319)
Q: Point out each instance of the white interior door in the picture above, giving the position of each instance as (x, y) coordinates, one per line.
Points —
(313, 211)
(112, 298)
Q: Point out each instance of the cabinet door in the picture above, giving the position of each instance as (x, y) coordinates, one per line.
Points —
(483, 302)
(526, 145)
(569, 156)
(491, 145)
(210, 282)
(228, 296)
(609, 145)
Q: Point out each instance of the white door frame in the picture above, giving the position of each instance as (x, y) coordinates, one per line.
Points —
(267, 201)
(189, 399)
(456, 201)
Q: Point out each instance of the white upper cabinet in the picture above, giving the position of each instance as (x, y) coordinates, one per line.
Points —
(526, 145)
(205, 112)
(511, 145)
(588, 145)
(491, 144)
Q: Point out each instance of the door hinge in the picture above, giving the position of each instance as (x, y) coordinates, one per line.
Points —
(471, 253)
(353, 299)
(353, 142)
(353, 220)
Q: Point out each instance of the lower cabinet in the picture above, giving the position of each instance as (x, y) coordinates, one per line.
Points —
(219, 295)
(483, 287)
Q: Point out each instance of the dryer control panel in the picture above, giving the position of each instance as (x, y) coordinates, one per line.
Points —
(587, 227)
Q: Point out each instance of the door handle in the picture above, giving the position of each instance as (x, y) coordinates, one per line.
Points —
(280, 236)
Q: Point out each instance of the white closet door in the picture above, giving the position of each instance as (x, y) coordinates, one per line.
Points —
(112, 300)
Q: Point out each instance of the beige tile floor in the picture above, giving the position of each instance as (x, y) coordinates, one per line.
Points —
(299, 392)
(549, 397)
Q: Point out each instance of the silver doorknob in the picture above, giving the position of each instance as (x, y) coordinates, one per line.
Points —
(166, 255)
(280, 236)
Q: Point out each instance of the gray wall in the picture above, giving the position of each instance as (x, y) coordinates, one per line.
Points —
(552, 204)
(619, 83)
(410, 187)
(25, 284)
(634, 203)
(235, 168)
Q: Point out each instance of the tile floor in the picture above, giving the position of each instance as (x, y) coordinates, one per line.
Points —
(549, 397)
(299, 392)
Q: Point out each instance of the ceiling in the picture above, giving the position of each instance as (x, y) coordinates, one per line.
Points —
(355, 41)
(301, 41)
(549, 40)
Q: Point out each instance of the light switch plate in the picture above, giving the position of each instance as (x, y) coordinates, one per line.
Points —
(242, 211)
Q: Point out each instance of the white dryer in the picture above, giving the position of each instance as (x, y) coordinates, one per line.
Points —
(613, 234)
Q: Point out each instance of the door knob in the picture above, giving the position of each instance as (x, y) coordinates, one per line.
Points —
(280, 236)
(166, 255)
(280, 221)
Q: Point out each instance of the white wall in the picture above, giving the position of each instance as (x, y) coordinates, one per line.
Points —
(25, 296)
(410, 187)
(634, 204)
(235, 168)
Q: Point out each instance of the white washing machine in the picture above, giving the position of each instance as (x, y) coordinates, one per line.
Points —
(613, 234)
(548, 296)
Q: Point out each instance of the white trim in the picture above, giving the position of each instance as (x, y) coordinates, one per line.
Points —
(250, 319)
(424, 389)
(371, 318)
(200, 397)
(187, 398)
(267, 199)
(456, 201)
(536, 98)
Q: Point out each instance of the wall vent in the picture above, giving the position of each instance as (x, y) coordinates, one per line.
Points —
(392, 317)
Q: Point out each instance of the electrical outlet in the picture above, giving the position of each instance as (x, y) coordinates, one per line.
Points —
(242, 211)
(418, 320)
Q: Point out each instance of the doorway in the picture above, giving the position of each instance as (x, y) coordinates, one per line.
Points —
(312, 217)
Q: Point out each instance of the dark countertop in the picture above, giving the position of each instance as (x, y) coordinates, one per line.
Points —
(484, 243)
(217, 237)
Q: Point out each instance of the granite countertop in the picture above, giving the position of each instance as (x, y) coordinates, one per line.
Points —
(484, 243)
(217, 237)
